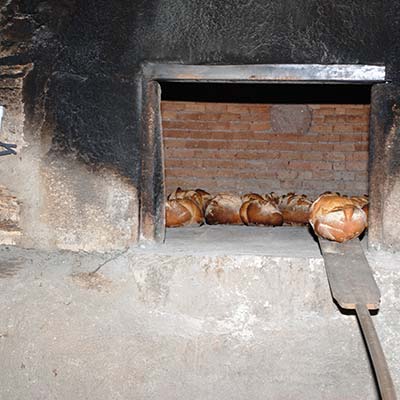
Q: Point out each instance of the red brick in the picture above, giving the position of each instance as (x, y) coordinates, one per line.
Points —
(290, 155)
(232, 146)
(196, 116)
(321, 128)
(305, 174)
(354, 138)
(361, 147)
(169, 115)
(322, 147)
(230, 117)
(360, 156)
(184, 125)
(173, 105)
(336, 156)
(310, 165)
(321, 174)
(357, 119)
(287, 174)
(216, 107)
(240, 108)
(356, 165)
(220, 164)
(260, 126)
(195, 106)
(341, 128)
(335, 119)
(344, 147)
(344, 176)
(326, 110)
(360, 128)
(339, 166)
(288, 185)
(259, 116)
(318, 185)
(313, 155)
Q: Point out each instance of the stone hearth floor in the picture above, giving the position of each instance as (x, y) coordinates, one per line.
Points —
(283, 241)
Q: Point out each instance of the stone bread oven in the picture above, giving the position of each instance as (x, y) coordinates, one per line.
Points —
(153, 177)
(226, 316)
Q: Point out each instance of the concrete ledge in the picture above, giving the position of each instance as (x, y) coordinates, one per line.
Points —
(153, 326)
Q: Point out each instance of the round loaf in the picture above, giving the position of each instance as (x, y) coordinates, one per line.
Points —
(199, 196)
(337, 218)
(260, 212)
(360, 200)
(224, 209)
(295, 208)
(182, 212)
(273, 197)
(204, 197)
(251, 196)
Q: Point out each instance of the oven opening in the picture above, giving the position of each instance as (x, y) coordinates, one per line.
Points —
(233, 139)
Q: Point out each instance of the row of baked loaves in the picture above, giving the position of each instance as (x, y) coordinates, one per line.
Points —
(332, 216)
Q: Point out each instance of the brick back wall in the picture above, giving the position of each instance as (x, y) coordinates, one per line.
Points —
(236, 148)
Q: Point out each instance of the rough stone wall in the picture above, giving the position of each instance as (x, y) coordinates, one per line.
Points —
(9, 217)
(86, 209)
(49, 199)
(14, 169)
(64, 200)
(264, 147)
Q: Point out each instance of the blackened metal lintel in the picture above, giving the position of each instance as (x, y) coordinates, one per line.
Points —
(279, 73)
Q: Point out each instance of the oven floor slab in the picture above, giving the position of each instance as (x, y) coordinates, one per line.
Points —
(176, 326)
(285, 241)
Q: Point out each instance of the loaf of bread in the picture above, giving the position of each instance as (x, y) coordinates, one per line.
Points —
(224, 209)
(182, 212)
(329, 192)
(251, 196)
(180, 194)
(204, 197)
(295, 208)
(199, 196)
(363, 202)
(274, 197)
(360, 200)
(259, 211)
(337, 218)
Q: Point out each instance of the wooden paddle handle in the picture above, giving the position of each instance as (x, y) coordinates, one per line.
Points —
(382, 372)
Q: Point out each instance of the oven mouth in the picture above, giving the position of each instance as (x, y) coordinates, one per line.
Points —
(330, 84)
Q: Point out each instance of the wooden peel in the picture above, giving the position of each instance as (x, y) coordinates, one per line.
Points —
(354, 288)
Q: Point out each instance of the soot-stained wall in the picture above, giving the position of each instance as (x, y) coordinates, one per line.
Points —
(80, 97)
(87, 53)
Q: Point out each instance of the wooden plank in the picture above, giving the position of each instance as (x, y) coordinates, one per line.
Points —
(349, 274)
(266, 72)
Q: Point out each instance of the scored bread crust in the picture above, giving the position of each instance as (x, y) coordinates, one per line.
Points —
(260, 212)
(363, 202)
(204, 197)
(199, 196)
(272, 197)
(182, 212)
(223, 209)
(295, 208)
(337, 218)
(251, 196)
(360, 200)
